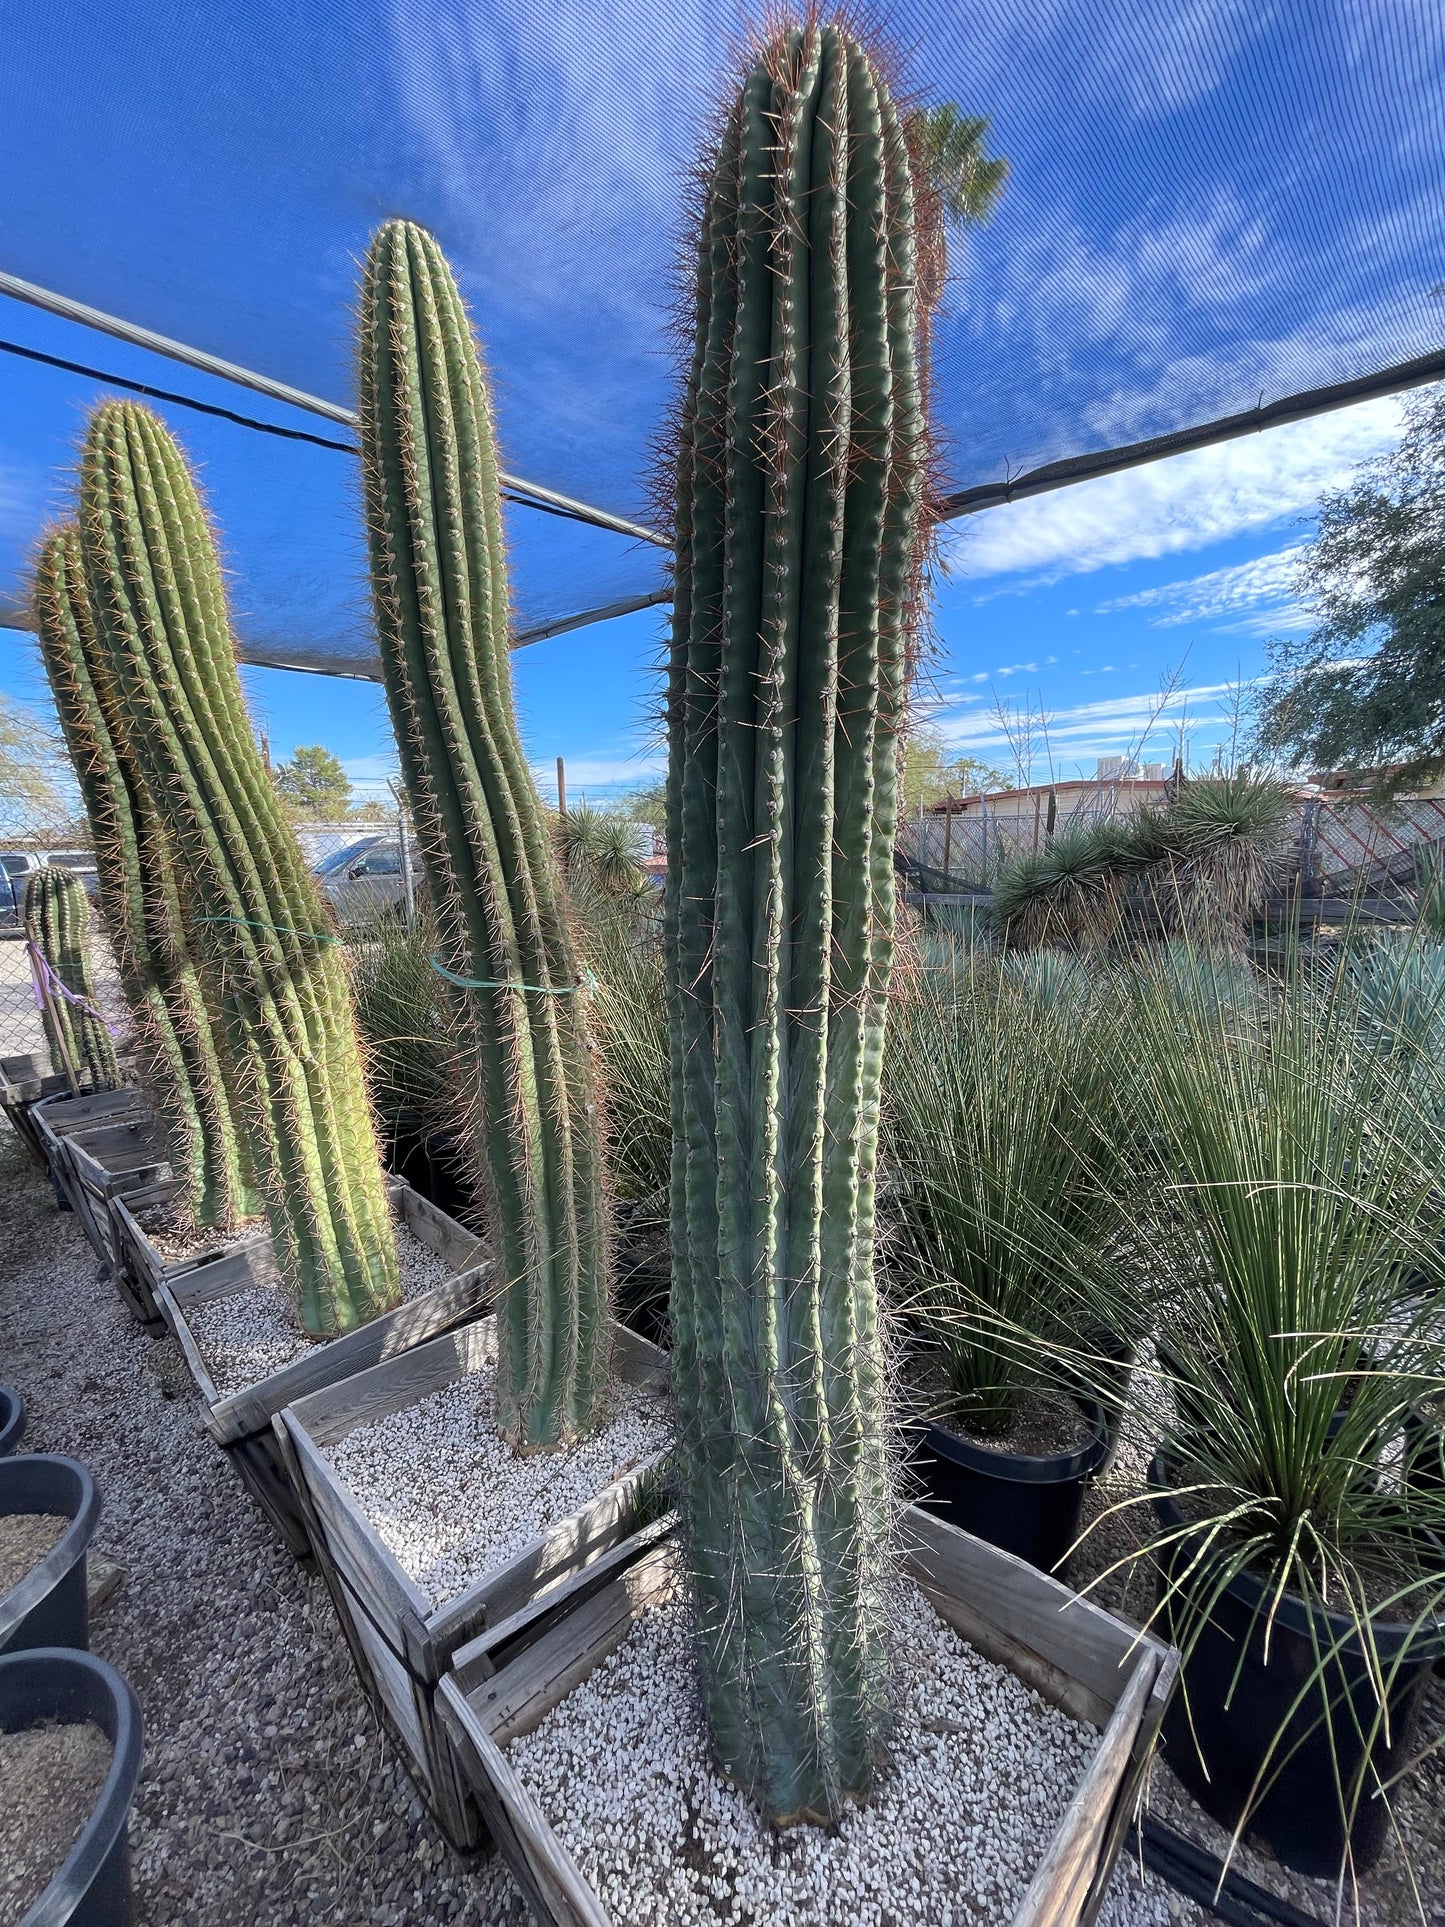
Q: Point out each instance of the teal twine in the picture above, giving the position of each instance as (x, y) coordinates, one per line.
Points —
(589, 982)
(285, 930)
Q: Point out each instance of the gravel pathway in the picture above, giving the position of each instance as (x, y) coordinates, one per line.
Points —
(269, 1795)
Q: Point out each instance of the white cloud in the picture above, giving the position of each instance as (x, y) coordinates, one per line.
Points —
(1257, 595)
(1148, 721)
(1185, 502)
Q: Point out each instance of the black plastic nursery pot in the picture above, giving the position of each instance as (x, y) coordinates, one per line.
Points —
(48, 1606)
(1027, 1506)
(91, 1887)
(1222, 1722)
(12, 1420)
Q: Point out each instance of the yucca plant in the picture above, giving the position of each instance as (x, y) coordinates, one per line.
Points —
(599, 849)
(1005, 1138)
(1292, 1191)
(1068, 894)
(1213, 852)
(401, 1018)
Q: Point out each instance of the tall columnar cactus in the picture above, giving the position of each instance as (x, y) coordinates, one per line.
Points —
(57, 924)
(138, 896)
(800, 536)
(438, 568)
(261, 934)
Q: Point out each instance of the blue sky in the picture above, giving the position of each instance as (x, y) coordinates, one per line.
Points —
(1081, 606)
(1210, 203)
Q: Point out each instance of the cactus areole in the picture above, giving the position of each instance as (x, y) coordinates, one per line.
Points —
(273, 970)
(135, 874)
(800, 536)
(439, 584)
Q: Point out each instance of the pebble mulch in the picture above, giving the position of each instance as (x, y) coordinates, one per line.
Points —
(269, 1795)
(982, 1772)
(448, 1497)
(249, 1334)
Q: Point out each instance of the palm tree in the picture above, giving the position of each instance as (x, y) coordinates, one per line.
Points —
(949, 145)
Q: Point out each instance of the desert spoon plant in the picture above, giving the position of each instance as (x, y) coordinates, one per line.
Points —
(800, 536)
(57, 924)
(135, 874)
(438, 568)
(275, 974)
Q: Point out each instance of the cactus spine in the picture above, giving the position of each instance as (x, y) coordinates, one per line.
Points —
(800, 535)
(57, 924)
(272, 970)
(138, 897)
(438, 570)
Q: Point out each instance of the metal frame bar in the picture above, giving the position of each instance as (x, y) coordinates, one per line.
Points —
(282, 391)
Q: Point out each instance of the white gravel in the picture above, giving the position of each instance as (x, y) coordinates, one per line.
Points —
(249, 1334)
(982, 1772)
(452, 1502)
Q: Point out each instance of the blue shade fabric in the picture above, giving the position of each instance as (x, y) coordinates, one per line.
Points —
(1211, 203)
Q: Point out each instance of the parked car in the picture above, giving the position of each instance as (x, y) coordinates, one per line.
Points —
(364, 879)
(17, 865)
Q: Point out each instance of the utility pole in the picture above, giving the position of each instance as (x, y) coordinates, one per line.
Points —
(561, 789)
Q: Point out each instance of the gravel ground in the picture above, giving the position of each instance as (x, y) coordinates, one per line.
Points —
(981, 1778)
(1407, 1889)
(493, 1504)
(269, 1795)
(250, 1334)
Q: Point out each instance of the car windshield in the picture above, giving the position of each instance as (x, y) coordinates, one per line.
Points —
(340, 860)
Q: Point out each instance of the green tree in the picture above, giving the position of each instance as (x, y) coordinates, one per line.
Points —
(1367, 685)
(314, 784)
(647, 805)
(930, 773)
(30, 770)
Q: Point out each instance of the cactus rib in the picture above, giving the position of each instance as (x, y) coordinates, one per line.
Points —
(440, 591)
(139, 900)
(278, 983)
(800, 538)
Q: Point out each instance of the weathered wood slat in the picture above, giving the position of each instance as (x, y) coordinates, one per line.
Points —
(509, 1678)
(1061, 1883)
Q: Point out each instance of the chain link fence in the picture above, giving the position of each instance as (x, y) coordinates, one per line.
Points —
(363, 870)
(1340, 846)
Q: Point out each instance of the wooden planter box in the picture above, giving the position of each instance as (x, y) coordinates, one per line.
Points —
(240, 1422)
(1081, 1660)
(109, 1161)
(401, 1642)
(23, 1084)
(56, 1121)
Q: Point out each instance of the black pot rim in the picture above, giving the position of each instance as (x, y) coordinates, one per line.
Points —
(67, 1885)
(1053, 1468)
(12, 1420)
(1390, 1636)
(22, 1599)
